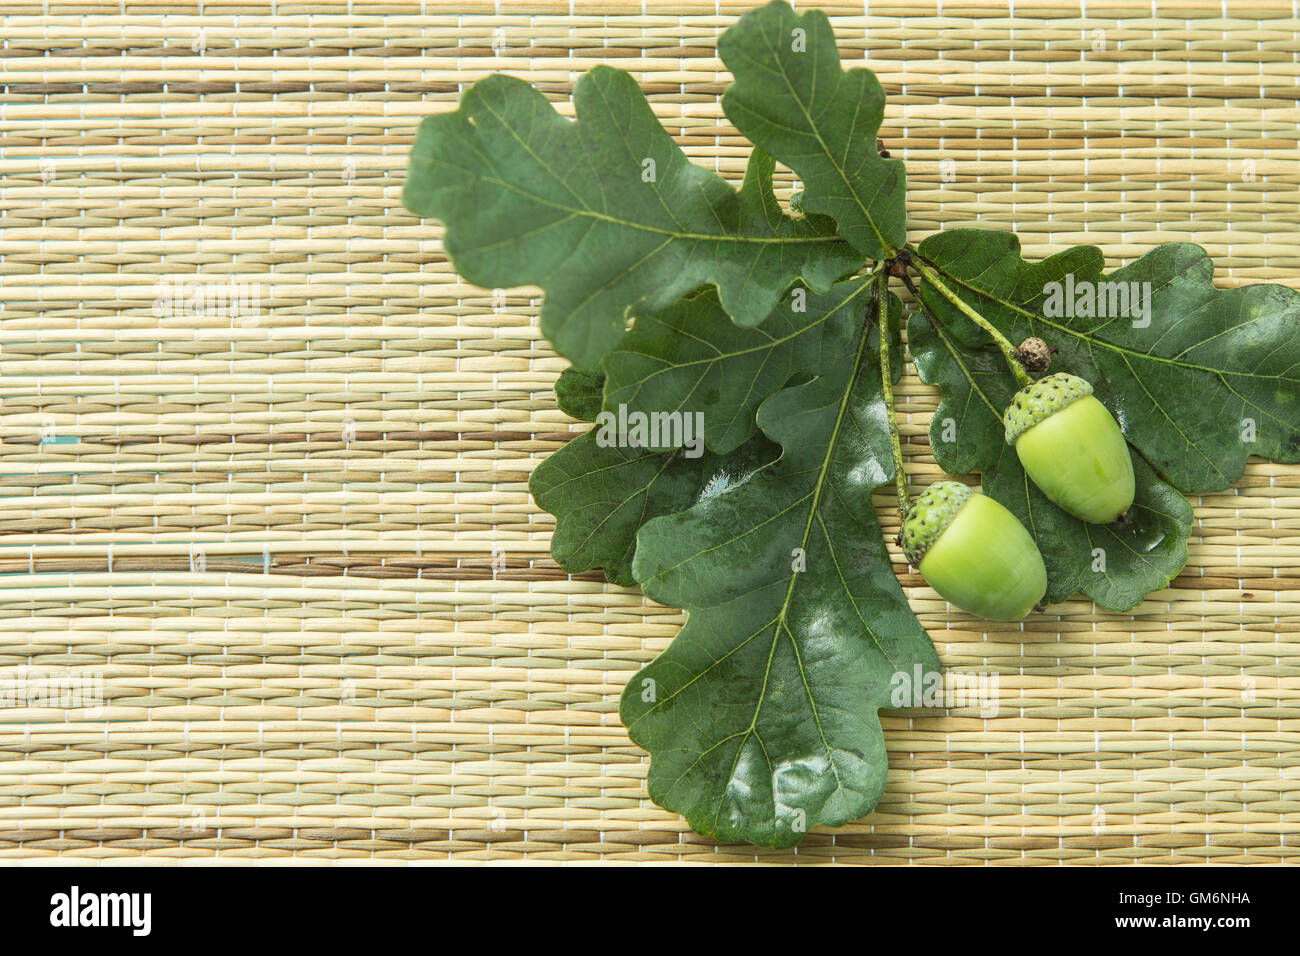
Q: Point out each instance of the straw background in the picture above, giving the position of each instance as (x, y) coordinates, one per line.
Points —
(299, 546)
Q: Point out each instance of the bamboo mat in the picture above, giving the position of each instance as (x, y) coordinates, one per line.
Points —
(289, 533)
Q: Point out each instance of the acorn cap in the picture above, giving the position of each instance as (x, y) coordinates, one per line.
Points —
(1040, 399)
(930, 515)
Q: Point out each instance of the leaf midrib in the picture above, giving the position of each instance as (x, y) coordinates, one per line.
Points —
(631, 224)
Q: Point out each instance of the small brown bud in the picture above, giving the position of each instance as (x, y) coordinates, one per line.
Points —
(898, 268)
(880, 148)
(1035, 355)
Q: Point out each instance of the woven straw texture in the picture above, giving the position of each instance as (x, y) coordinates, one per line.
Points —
(288, 530)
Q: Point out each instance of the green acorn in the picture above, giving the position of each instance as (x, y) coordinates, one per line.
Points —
(1071, 447)
(974, 552)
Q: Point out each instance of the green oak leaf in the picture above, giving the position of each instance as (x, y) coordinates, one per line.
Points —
(579, 391)
(1201, 381)
(692, 358)
(793, 101)
(600, 495)
(605, 213)
(761, 717)
(1114, 565)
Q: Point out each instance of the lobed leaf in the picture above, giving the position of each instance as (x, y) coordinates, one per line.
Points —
(605, 213)
(761, 716)
(791, 98)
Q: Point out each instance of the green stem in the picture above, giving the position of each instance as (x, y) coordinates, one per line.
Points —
(887, 390)
(1003, 343)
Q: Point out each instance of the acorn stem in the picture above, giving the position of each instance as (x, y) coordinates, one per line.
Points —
(887, 391)
(1008, 350)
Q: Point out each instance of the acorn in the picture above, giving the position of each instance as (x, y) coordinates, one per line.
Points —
(1071, 447)
(974, 552)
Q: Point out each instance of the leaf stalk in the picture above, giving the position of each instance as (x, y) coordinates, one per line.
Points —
(887, 391)
(1004, 345)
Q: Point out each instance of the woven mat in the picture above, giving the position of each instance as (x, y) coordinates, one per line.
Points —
(285, 526)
